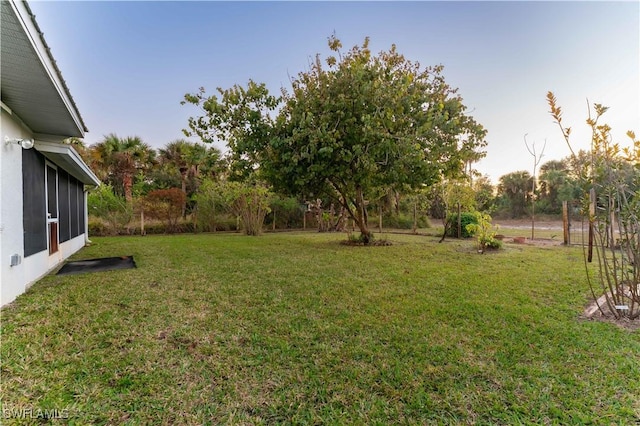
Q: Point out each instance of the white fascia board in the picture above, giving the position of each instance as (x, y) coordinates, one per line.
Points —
(25, 16)
(6, 108)
(75, 165)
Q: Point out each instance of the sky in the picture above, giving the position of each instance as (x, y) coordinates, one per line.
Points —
(129, 64)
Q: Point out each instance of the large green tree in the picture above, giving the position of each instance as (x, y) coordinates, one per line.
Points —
(364, 122)
(350, 128)
(175, 156)
(554, 178)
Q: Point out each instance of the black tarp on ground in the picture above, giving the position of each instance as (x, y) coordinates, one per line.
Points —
(96, 265)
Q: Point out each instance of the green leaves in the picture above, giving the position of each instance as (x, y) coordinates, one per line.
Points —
(242, 118)
(366, 122)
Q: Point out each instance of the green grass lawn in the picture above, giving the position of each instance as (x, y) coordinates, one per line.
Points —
(297, 328)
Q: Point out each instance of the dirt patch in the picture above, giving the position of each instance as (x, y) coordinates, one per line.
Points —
(625, 323)
(514, 231)
(593, 313)
(540, 242)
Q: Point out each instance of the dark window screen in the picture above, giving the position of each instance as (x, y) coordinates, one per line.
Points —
(34, 207)
(64, 190)
(81, 212)
(52, 192)
(74, 207)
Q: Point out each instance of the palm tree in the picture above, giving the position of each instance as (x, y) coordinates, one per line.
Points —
(207, 162)
(553, 175)
(515, 187)
(175, 154)
(79, 146)
(190, 160)
(119, 160)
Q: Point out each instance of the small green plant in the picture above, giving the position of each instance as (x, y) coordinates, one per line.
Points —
(484, 232)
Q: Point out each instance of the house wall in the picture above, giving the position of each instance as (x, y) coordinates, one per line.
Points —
(14, 280)
(40, 264)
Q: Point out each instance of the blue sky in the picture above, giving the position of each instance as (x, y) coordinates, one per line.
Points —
(129, 64)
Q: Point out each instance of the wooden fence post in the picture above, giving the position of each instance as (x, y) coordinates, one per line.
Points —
(565, 223)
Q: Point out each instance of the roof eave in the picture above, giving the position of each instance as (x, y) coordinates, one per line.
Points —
(68, 158)
(36, 36)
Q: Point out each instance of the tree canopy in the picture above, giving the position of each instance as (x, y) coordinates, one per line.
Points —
(117, 160)
(350, 128)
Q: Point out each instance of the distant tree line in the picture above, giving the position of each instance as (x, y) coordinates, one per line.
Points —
(134, 174)
(359, 141)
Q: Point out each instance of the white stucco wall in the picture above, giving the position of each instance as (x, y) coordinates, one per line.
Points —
(12, 278)
(40, 264)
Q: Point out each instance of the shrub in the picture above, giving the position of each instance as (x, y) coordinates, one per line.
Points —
(116, 214)
(219, 222)
(466, 218)
(166, 205)
(249, 202)
(401, 221)
(97, 228)
(483, 232)
(288, 212)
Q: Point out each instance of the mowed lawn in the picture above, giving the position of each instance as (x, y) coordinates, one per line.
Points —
(296, 328)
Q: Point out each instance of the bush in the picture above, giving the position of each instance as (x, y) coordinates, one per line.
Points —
(492, 243)
(250, 202)
(483, 231)
(97, 228)
(288, 213)
(112, 209)
(466, 218)
(220, 222)
(165, 204)
(400, 221)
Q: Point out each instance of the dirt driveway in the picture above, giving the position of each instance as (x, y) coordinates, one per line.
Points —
(518, 231)
(526, 224)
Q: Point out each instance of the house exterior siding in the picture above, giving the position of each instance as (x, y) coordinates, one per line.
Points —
(12, 278)
(24, 190)
(42, 189)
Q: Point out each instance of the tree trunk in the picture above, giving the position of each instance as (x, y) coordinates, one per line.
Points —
(415, 217)
(361, 217)
(397, 202)
(194, 219)
(184, 189)
(127, 183)
(565, 223)
(533, 205)
(459, 221)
